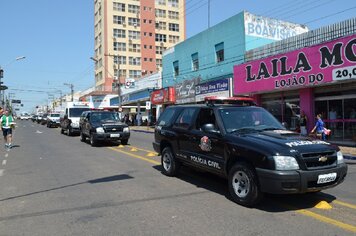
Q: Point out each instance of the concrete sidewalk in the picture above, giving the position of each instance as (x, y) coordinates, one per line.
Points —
(349, 152)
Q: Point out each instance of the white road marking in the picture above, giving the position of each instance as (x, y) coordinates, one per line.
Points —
(1, 172)
(32, 126)
(4, 162)
(38, 132)
(6, 155)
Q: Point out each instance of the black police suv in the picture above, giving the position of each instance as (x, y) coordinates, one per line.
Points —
(102, 126)
(249, 147)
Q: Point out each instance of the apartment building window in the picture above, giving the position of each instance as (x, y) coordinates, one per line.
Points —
(161, 25)
(121, 73)
(135, 47)
(159, 50)
(135, 61)
(195, 62)
(159, 62)
(160, 13)
(118, 46)
(173, 15)
(134, 73)
(176, 68)
(161, 38)
(134, 34)
(173, 3)
(119, 33)
(117, 6)
(120, 20)
(173, 39)
(134, 21)
(161, 2)
(119, 60)
(219, 51)
(173, 27)
(134, 9)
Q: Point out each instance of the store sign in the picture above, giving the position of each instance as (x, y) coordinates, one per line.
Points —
(319, 64)
(218, 88)
(185, 91)
(148, 105)
(269, 28)
(163, 96)
(129, 83)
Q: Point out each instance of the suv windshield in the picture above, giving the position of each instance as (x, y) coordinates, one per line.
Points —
(54, 115)
(76, 112)
(104, 116)
(248, 119)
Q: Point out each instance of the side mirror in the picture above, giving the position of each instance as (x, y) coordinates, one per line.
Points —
(210, 128)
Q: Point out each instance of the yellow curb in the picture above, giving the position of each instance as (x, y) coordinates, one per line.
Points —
(121, 146)
(133, 150)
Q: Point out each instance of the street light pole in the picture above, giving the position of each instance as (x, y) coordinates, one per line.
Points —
(71, 89)
(2, 76)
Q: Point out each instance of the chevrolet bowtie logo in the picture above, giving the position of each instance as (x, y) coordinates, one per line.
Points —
(113, 129)
(323, 158)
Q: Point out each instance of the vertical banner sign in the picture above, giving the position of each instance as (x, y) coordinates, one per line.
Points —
(324, 63)
(148, 105)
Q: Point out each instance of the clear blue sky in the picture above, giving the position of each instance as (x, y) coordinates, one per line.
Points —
(57, 37)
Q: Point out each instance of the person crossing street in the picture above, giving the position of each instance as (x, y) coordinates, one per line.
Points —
(7, 122)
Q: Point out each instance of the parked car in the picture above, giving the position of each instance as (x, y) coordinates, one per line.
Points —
(248, 146)
(69, 118)
(34, 118)
(24, 116)
(44, 119)
(53, 120)
(103, 126)
(39, 118)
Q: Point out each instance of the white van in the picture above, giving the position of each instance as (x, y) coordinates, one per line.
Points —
(69, 118)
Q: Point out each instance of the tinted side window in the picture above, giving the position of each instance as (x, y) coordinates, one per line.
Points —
(185, 118)
(205, 116)
(166, 117)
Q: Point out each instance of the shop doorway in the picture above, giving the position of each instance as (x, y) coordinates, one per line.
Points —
(339, 115)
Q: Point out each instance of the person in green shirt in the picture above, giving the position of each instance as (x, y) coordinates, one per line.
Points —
(7, 122)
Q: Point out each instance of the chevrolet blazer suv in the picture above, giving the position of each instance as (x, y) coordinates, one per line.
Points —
(249, 146)
(102, 126)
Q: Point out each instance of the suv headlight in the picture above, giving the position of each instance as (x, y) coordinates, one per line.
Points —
(285, 163)
(74, 125)
(126, 130)
(340, 157)
(100, 130)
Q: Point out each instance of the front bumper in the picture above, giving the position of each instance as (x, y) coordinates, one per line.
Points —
(53, 123)
(298, 181)
(156, 147)
(111, 136)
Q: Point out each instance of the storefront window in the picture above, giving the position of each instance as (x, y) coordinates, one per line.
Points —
(339, 115)
(285, 111)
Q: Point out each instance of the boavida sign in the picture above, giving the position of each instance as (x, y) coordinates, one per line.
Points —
(323, 63)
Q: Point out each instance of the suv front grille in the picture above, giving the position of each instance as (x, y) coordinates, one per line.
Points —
(113, 129)
(319, 160)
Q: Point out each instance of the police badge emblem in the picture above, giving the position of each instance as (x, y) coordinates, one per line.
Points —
(205, 144)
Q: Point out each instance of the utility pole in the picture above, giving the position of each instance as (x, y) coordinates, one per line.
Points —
(71, 89)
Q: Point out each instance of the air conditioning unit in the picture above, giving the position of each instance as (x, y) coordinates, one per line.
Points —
(124, 24)
(130, 40)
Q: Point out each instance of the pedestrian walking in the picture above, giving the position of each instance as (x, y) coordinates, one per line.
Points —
(303, 124)
(319, 128)
(7, 124)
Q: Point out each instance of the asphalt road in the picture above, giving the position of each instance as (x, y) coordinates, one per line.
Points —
(52, 184)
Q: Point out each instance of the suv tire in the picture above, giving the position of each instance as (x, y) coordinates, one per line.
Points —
(93, 141)
(124, 141)
(243, 185)
(82, 137)
(69, 131)
(62, 131)
(170, 165)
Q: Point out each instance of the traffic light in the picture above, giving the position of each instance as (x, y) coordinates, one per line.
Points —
(1, 73)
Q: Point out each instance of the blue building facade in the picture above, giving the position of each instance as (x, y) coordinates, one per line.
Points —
(211, 54)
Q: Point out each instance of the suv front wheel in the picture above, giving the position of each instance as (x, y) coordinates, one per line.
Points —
(170, 166)
(243, 185)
